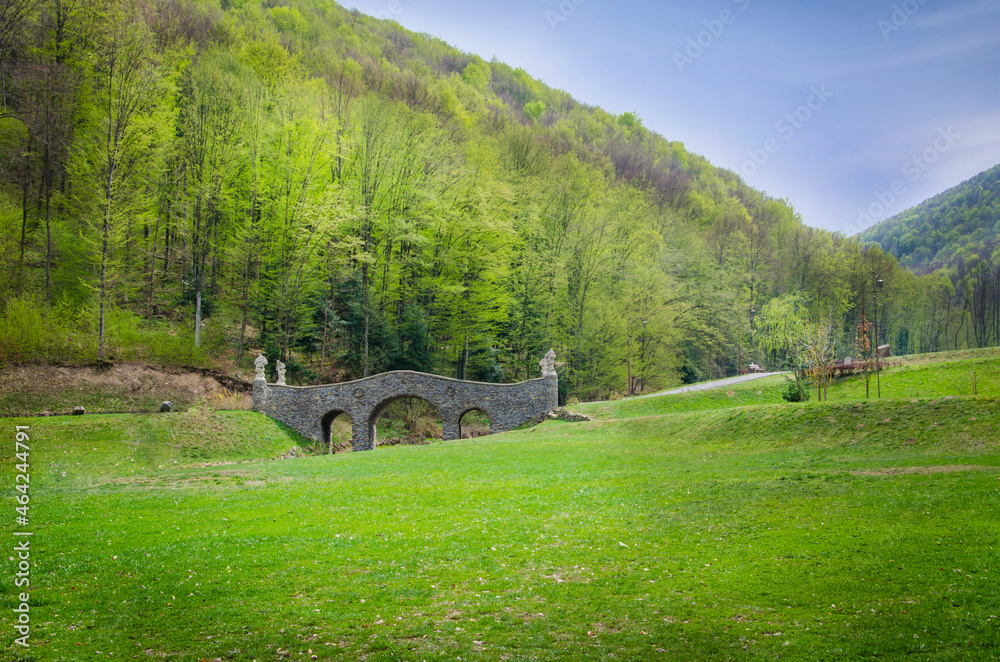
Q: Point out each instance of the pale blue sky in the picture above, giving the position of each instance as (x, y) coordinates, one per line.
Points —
(836, 106)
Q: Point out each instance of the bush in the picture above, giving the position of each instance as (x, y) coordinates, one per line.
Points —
(33, 331)
(795, 390)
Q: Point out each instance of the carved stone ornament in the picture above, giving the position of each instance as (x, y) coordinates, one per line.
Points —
(280, 367)
(258, 366)
(548, 364)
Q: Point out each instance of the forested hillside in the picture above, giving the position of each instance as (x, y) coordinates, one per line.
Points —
(954, 236)
(959, 225)
(184, 182)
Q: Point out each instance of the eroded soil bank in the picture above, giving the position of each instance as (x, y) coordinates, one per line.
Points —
(27, 390)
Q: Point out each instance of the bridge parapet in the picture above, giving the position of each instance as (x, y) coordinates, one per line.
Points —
(310, 410)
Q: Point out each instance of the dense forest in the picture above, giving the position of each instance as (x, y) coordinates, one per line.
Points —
(188, 182)
(954, 227)
(953, 236)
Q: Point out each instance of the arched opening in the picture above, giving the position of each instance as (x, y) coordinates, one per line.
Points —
(474, 423)
(406, 420)
(337, 432)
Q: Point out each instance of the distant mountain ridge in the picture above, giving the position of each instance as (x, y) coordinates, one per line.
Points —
(952, 226)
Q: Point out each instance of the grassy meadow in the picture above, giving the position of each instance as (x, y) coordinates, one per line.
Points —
(722, 525)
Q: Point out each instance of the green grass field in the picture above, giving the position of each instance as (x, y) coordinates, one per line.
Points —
(708, 527)
(972, 372)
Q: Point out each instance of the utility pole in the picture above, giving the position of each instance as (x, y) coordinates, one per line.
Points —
(876, 288)
(867, 338)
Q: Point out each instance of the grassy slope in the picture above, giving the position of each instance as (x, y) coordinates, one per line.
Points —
(820, 531)
(945, 374)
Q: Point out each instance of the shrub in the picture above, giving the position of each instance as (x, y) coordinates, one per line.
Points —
(33, 331)
(795, 390)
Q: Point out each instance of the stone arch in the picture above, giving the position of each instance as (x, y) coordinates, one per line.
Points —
(326, 425)
(379, 408)
(310, 410)
(462, 425)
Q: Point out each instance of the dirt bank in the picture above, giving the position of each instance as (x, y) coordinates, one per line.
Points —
(125, 387)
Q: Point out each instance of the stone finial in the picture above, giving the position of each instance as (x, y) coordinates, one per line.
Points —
(548, 364)
(280, 367)
(258, 366)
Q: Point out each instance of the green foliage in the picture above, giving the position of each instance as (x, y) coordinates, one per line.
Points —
(354, 197)
(629, 120)
(477, 74)
(31, 331)
(534, 109)
(783, 326)
(795, 391)
(942, 231)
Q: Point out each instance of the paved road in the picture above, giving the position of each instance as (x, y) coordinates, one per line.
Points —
(719, 383)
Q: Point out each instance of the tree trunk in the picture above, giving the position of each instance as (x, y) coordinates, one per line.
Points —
(152, 261)
(366, 332)
(166, 248)
(197, 311)
(364, 286)
(48, 236)
(104, 271)
(24, 200)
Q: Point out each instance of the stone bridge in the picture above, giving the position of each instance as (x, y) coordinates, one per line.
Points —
(310, 410)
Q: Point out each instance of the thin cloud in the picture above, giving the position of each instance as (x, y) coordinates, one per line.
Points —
(923, 54)
(945, 49)
(984, 131)
(957, 14)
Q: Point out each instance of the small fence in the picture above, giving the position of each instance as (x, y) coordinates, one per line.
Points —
(860, 367)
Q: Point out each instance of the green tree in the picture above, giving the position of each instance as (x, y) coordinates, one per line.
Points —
(208, 132)
(782, 326)
(126, 79)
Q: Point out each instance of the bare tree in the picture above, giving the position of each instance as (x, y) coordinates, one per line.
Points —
(12, 15)
(818, 352)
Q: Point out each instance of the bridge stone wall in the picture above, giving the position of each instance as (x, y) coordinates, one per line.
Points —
(311, 409)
